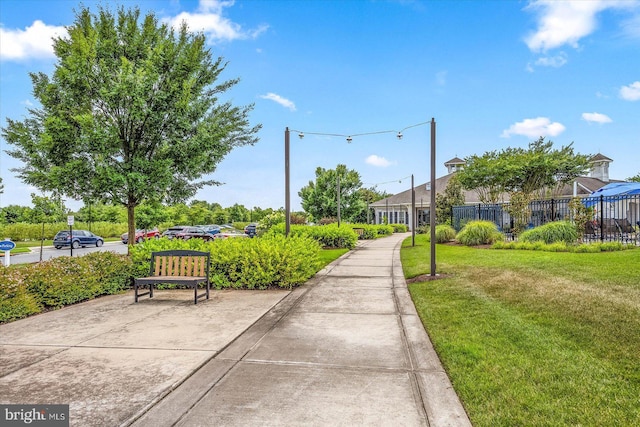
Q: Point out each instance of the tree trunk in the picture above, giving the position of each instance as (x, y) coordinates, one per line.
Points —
(131, 224)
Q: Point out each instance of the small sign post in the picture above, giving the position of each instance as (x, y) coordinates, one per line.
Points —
(6, 245)
(70, 221)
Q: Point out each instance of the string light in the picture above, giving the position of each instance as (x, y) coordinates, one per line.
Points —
(349, 137)
(388, 182)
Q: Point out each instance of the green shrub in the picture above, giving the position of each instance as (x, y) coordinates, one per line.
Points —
(15, 301)
(373, 231)
(61, 281)
(479, 233)
(587, 248)
(423, 229)
(114, 271)
(268, 261)
(400, 228)
(259, 263)
(611, 246)
(445, 233)
(329, 236)
(552, 232)
(384, 229)
(563, 247)
(369, 231)
(64, 280)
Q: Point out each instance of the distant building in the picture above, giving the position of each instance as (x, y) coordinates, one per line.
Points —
(397, 208)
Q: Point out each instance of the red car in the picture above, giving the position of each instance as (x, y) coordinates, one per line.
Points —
(141, 235)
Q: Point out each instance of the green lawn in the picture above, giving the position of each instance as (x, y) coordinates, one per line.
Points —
(329, 255)
(535, 338)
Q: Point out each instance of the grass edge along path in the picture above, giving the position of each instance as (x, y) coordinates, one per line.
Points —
(532, 338)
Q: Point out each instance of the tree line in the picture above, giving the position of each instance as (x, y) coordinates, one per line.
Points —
(51, 209)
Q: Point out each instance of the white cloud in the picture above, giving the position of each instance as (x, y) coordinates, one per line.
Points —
(631, 27)
(596, 118)
(32, 42)
(556, 61)
(534, 128)
(631, 92)
(280, 100)
(566, 22)
(210, 21)
(378, 161)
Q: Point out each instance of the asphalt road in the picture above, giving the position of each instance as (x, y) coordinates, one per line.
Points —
(49, 252)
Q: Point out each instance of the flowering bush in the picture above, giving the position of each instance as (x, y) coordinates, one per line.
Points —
(59, 282)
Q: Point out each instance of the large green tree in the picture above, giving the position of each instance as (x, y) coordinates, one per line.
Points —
(320, 197)
(635, 178)
(368, 196)
(130, 114)
(523, 174)
(535, 169)
(485, 175)
(453, 196)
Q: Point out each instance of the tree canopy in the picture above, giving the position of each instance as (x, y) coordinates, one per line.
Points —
(522, 173)
(320, 197)
(452, 196)
(519, 170)
(130, 114)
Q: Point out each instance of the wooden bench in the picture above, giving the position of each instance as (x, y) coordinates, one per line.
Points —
(180, 267)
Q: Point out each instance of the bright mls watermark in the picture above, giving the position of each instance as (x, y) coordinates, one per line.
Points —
(34, 415)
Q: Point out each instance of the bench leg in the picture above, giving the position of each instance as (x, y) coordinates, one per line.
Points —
(195, 293)
(137, 295)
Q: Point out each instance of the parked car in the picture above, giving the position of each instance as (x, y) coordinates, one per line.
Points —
(228, 234)
(251, 229)
(141, 235)
(194, 233)
(211, 229)
(171, 232)
(80, 238)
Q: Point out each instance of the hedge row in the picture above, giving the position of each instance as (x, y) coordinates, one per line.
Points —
(373, 231)
(557, 236)
(60, 281)
(328, 236)
(271, 260)
(21, 231)
(564, 247)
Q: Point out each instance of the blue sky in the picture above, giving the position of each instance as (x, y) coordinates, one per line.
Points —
(493, 74)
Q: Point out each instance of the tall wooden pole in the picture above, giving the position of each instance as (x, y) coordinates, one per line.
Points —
(287, 200)
(432, 209)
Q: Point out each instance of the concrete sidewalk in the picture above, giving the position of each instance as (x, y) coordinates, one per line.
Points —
(347, 348)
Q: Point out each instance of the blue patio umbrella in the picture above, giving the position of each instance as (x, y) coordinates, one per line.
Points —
(612, 192)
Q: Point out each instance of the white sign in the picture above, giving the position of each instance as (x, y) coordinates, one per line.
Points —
(70, 220)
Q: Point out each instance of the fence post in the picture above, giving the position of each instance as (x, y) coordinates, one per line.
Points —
(601, 218)
(553, 210)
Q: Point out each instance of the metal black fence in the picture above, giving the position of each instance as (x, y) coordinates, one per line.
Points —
(614, 218)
